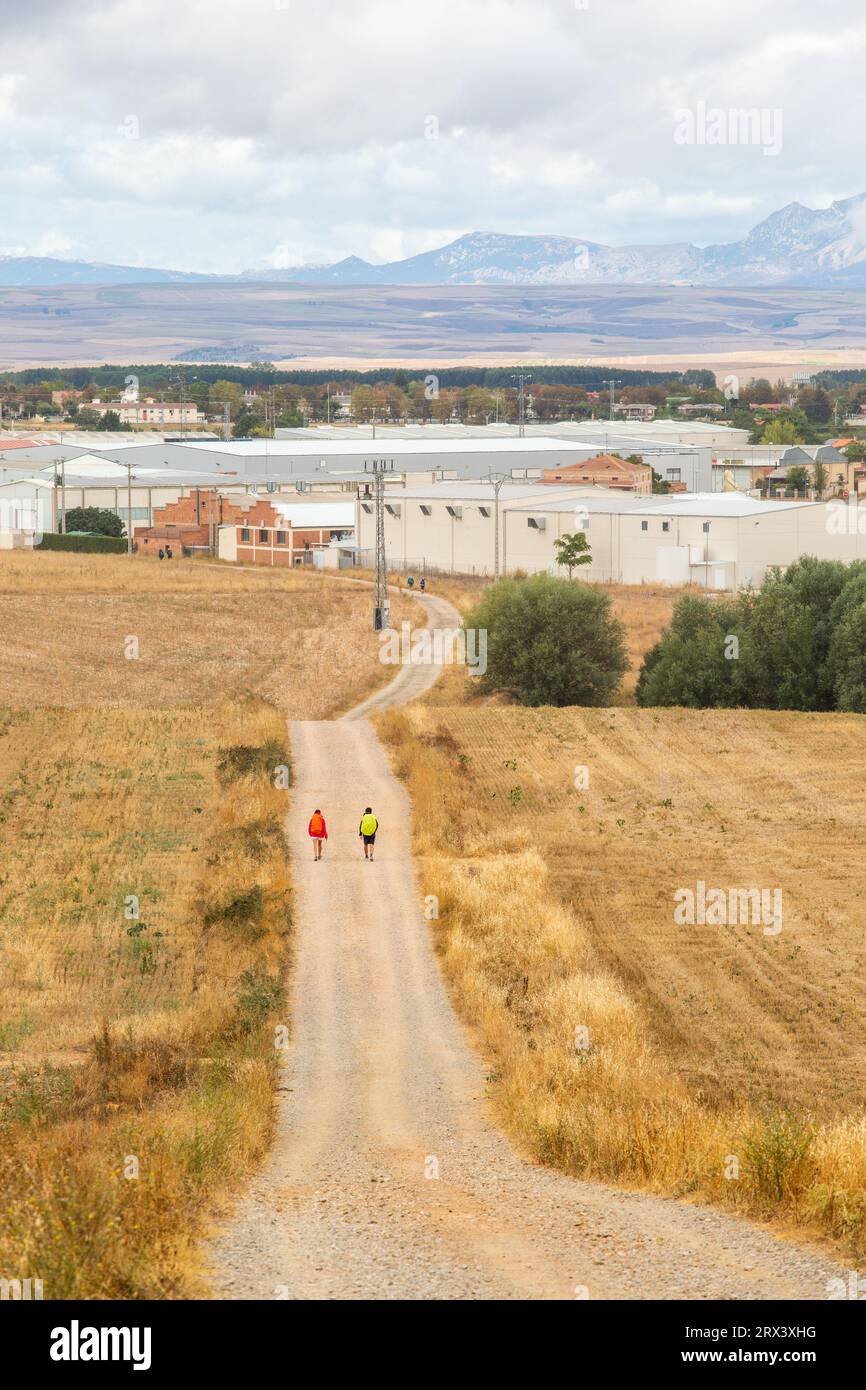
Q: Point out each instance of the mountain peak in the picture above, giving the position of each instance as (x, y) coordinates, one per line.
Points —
(795, 245)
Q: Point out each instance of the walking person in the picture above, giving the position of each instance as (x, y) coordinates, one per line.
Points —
(318, 832)
(367, 831)
(162, 554)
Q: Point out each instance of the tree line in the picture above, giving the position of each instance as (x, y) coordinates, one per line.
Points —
(798, 643)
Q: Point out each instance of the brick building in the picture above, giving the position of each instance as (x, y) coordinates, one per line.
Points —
(286, 533)
(605, 470)
(191, 521)
(252, 530)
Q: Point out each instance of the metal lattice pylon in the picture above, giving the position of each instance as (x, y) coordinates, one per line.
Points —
(382, 606)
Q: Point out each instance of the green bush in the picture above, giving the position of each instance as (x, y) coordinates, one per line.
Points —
(795, 644)
(848, 661)
(550, 641)
(96, 520)
(689, 666)
(103, 545)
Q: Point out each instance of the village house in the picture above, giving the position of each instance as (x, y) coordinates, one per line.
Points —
(605, 470)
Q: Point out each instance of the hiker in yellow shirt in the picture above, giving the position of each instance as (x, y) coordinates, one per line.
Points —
(367, 831)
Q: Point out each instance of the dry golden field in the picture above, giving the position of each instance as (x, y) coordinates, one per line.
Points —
(205, 632)
(137, 1058)
(557, 914)
(136, 1037)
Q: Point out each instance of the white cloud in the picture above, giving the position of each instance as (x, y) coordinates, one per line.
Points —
(205, 135)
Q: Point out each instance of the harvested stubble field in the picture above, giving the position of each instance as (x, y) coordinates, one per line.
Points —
(137, 1059)
(557, 914)
(205, 632)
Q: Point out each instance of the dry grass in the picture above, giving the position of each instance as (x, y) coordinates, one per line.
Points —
(147, 1040)
(206, 633)
(150, 1037)
(556, 914)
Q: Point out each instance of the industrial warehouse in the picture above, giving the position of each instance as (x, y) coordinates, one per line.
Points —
(717, 541)
(462, 500)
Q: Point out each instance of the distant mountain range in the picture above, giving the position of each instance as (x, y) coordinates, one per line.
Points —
(796, 246)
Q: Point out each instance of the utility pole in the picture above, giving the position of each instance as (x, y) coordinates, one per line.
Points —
(497, 480)
(226, 420)
(611, 384)
(129, 507)
(328, 389)
(382, 606)
(63, 495)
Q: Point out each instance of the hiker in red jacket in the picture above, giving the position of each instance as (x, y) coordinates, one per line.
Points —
(318, 832)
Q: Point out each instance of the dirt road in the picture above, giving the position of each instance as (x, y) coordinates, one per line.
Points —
(388, 1178)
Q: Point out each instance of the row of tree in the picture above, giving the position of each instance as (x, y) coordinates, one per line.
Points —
(797, 643)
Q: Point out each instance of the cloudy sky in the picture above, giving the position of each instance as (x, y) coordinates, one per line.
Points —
(222, 135)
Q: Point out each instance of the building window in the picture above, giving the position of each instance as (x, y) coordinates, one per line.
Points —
(245, 535)
(644, 526)
(706, 526)
(263, 536)
(674, 475)
(281, 538)
(666, 526)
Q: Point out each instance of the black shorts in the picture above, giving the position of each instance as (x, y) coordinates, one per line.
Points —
(370, 839)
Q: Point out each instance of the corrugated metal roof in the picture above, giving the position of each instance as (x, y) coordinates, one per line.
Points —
(380, 447)
(706, 504)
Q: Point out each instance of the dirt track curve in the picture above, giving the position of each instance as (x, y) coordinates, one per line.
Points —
(388, 1178)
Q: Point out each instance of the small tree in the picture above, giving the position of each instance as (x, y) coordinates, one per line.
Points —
(550, 642)
(572, 550)
(94, 519)
(797, 480)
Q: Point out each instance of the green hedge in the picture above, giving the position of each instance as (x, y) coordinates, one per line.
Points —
(105, 545)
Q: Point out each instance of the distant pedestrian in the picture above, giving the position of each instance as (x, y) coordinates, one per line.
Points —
(367, 831)
(168, 553)
(162, 554)
(318, 831)
(423, 585)
(411, 581)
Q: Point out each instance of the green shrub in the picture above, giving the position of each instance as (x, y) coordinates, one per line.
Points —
(550, 641)
(778, 1157)
(105, 545)
(96, 520)
(848, 661)
(795, 644)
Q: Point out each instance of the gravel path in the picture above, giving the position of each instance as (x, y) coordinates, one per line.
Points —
(388, 1178)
